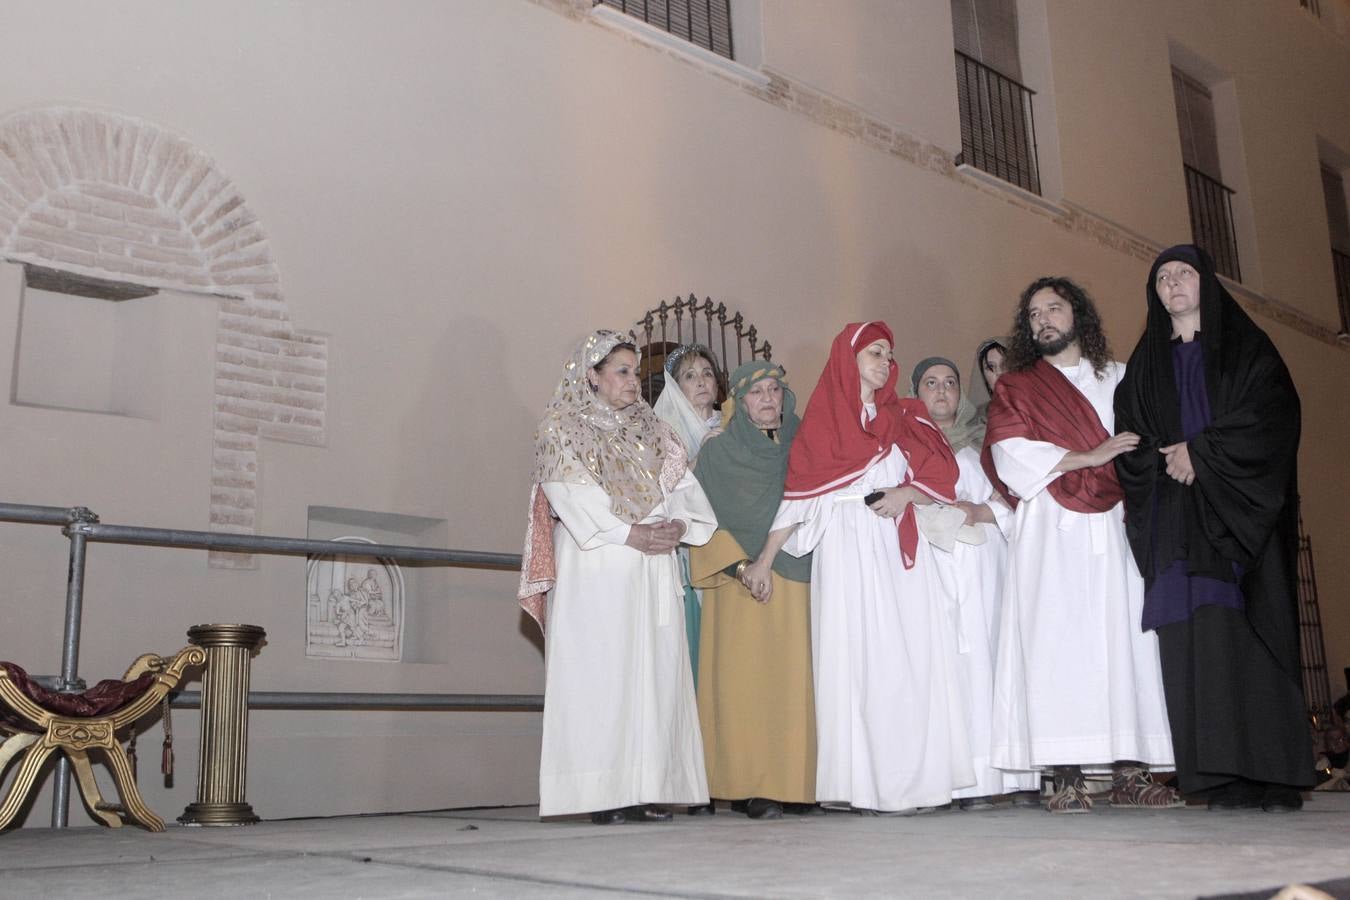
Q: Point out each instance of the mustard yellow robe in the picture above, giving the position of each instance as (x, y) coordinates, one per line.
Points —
(756, 704)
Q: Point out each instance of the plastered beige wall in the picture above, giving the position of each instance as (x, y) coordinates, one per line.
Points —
(455, 193)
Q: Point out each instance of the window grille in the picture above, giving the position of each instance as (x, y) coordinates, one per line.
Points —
(1209, 200)
(998, 134)
(1338, 224)
(706, 23)
(1211, 206)
(1340, 263)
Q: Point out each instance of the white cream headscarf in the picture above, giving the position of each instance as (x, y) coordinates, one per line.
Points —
(674, 408)
(580, 440)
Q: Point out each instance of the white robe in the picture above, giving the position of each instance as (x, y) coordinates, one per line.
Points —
(620, 720)
(890, 730)
(972, 575)
(1078, 682)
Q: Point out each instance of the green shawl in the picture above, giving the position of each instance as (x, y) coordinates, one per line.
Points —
(742, 470)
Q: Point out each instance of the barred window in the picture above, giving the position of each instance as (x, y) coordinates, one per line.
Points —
(1338, 223)
(1209, 199)
(706, 23)
(998, 132)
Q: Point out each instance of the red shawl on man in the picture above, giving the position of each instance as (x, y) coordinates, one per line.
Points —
(1040, 404)
(836, 444)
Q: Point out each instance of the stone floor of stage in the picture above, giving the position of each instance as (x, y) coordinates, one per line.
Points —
(507, 852)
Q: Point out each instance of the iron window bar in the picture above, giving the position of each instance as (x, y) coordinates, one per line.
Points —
(705, 23)
(1211, 207)
(1340, 264)
(998, 126)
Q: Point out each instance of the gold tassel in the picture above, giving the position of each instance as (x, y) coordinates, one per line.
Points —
(166, 755)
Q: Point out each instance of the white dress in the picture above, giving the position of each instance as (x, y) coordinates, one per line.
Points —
(890, 730)
(620, 720)
(1078, 682)
(972, 575)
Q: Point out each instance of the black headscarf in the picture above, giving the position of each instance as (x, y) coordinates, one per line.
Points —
(1243, 506)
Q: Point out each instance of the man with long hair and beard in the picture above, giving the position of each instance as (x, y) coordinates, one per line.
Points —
(1078, 684)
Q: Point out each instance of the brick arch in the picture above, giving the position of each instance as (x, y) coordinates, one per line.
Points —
(115, 197)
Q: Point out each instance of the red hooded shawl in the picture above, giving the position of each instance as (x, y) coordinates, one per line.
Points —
(836, 444)
(1040, 404)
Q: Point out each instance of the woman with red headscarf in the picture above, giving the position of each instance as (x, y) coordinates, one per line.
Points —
(890, 727)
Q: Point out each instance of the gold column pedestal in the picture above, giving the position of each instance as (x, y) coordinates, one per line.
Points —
(222, 756)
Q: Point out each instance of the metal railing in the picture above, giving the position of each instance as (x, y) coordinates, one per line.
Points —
(1340, 266)
(678, 322)
(80, 526)
(1211, 206)
(1316, 679)
(998, 128)
(706, 23)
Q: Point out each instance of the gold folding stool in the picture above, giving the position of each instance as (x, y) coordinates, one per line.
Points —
(40, 731)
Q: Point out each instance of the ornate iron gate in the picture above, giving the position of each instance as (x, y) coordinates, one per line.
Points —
(690, 320)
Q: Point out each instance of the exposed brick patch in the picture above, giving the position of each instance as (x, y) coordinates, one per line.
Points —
(112, 196)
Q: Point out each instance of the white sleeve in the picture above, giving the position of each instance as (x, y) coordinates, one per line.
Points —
(1003, 516)
(1026, 466)
(811, 516)
(976, 487)
(585, 512)
(689, 504)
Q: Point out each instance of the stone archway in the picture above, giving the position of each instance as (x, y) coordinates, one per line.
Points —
(114, 197)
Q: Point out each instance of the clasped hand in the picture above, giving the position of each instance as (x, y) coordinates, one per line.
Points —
(657, 538)
(1178, 458)
(758, 580)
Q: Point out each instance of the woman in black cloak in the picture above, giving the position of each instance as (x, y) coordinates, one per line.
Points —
(1211, 505)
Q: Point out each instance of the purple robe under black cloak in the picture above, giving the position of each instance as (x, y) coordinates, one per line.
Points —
(1231, 665)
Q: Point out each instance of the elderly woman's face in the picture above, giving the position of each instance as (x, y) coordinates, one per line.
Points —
(764, 403)
(695, 377)
(993, 366)
(616, 379)
(940, 390)
(874, 364)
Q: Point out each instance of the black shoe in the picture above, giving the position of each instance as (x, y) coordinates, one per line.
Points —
(803, 809)
(1239, 794)
(706, 809)
(1027, 799)
(608, 817)
(763, 808)
(642, 814)
(739, 805)
(1277, 798)
(976, 804)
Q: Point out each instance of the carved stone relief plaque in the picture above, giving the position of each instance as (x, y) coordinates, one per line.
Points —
(355, 607)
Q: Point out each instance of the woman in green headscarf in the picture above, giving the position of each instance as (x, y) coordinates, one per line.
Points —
(755, 700)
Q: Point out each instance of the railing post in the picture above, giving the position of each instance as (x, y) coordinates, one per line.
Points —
(77, 529)
(222, 756)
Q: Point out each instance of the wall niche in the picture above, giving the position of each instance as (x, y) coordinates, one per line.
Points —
(374, 610)
(88, 345)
